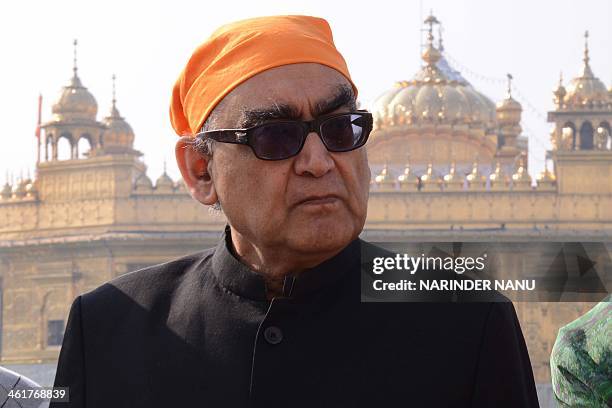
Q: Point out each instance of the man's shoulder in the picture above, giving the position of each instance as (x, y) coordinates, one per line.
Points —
(150, 283)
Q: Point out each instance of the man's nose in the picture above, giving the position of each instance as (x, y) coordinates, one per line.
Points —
(314, 159)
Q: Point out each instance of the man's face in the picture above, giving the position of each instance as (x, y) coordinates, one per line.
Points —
(315, 201)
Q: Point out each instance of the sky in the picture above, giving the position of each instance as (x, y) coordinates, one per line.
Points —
(146, 44)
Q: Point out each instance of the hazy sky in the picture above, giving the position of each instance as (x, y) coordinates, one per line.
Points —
(147, 43)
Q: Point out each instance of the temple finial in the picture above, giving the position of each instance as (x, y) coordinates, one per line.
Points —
(509, 90)
(586, 47)
(114, 95)
(430, 20)
(74, 67)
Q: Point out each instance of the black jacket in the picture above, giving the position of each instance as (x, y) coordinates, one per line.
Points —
(199, 332)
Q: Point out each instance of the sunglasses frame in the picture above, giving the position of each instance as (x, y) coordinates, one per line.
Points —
(243, 136)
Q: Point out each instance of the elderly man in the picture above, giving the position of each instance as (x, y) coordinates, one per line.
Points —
(272, 316)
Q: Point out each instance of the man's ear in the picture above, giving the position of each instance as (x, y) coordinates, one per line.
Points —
(194, 169)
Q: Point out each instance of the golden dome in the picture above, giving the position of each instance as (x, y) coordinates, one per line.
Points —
(143, 182)
(119, 133)
(164, 182)
(509, 110)
(75, 103)
(436, 94)
(586, 91)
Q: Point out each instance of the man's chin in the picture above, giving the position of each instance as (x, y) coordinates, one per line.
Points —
(318, 239)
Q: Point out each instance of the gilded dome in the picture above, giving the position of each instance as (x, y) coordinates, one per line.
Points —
(164, 182)
(118, 132)
(75, 102)
(586, 91)
(143, 182)
(436, 94)
(509, 110)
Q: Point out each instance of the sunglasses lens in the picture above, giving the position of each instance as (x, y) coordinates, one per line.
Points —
(277, 141)
(346, 132)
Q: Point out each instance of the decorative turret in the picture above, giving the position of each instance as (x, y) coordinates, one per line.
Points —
(19, 189)
(452, 181)
(164, 184)
(75, 103)
(475, 180)
(407, 180)
(119, 136)
(74, 118)
(7, 191)
(560, 93)
(586, 91)
(143, 184)
(384, 179)
(581, 111)
(498, 179)
(509, 122)
(521, 180)
(546, 180)
(430, 181)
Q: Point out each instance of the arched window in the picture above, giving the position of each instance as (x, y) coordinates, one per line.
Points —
(568, 135)
(586, 136)
(605, 134)
(64, 147)
(84, 146)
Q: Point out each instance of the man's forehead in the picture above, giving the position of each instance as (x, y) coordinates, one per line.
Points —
(290, 92)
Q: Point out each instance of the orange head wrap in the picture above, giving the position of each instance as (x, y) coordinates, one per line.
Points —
(240, 50)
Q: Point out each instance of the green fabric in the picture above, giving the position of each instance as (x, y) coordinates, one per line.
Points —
(581, 360)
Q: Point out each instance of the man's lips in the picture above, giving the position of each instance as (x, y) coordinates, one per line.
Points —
(319, 199)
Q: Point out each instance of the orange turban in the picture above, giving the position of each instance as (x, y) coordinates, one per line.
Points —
(237, 51)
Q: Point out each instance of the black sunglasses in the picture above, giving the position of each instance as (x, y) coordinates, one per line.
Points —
(279, 140)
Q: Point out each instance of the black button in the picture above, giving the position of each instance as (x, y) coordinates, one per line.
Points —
(273, 335)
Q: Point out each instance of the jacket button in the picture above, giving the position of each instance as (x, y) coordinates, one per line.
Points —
(273, 335)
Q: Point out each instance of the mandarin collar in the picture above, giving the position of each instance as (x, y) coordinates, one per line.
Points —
(243, 281)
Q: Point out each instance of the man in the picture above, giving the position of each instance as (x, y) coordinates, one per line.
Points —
(272, 316)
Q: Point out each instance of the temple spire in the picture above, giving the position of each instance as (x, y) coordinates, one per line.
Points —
(74, 67)
(114, 95)
(431, 55)
(509, 90)
(586, 70)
